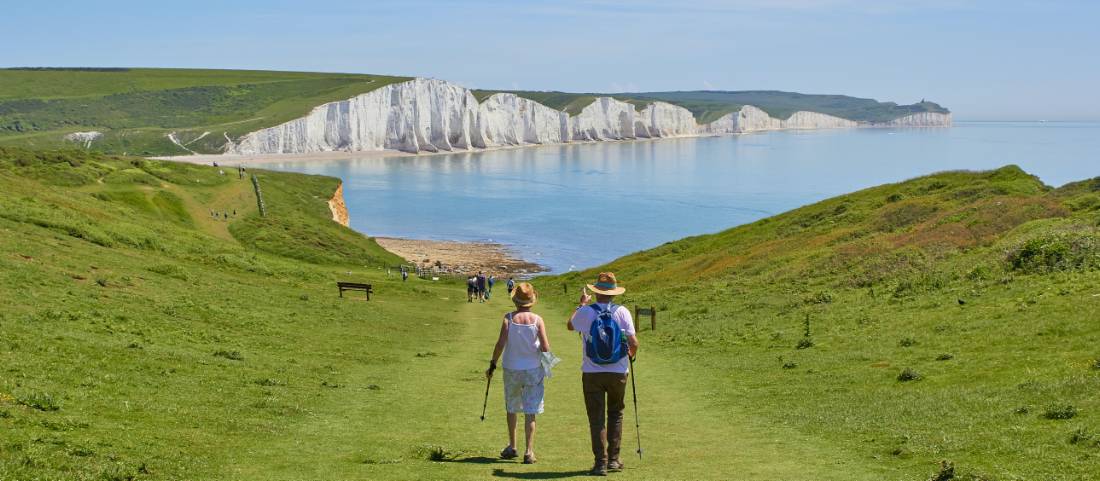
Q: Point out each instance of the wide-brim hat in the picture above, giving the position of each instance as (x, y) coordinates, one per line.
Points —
(524, 295)
(606, 285)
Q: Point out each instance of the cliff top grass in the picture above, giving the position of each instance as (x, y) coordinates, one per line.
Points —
(865, 337)
(136, 109)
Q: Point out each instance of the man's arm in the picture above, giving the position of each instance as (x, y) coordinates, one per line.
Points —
(585, 299)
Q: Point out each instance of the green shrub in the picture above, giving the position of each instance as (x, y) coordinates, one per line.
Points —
(1061, 251)
(1055, 411)
(231, 355)
(805, 343)
(40, 401)
(909, 374)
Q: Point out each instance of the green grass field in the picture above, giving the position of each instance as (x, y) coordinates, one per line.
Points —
(137, 109)
(143, 339)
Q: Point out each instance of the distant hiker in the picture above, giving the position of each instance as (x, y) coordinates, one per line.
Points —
(481, 286)
(523, 341)
(404, 274)
(492, 280)
(609, 339)
(471, 288)
(226, 214)
(234, 212)
(511, 285)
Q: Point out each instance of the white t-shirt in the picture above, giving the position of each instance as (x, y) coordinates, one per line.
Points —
(582, 323)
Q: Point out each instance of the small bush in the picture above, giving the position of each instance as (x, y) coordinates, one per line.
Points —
(5, 415)
(946, 473)
(1096, 365)
(1061, 251)
(908, 374)
(945, 357)
(894, 198)
(231, 355)
(805, 343)
(1083, 437)
(39, 401)
(1022, 410)
(269, 382)
(790, 365)
(907, 342)
(1060, 412)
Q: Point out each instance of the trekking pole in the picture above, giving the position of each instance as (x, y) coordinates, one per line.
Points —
(634, 390)
(486, 403)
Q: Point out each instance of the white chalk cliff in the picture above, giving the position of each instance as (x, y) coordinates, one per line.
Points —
(428, 115)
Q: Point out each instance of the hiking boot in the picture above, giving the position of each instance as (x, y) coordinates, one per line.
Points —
(508, 453)
(615, 465)
(599, 469)
(529, 459)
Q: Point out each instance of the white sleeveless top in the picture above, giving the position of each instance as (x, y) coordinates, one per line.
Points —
(522, 350)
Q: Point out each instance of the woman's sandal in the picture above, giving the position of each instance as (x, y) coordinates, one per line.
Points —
(508, 453)
(529, 459)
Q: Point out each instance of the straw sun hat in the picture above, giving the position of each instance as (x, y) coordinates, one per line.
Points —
(606, 285)
(524, 295)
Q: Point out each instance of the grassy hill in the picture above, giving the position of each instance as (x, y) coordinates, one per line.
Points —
(137, 108)
(950, 317)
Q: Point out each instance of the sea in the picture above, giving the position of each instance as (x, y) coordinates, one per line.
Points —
(574, 206)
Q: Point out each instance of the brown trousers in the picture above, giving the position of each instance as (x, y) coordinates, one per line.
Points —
(605, 390)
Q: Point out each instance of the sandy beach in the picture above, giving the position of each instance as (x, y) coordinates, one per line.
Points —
(461, 257)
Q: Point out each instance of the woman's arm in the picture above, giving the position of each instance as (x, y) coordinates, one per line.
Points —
(544, 341)
(502, 340)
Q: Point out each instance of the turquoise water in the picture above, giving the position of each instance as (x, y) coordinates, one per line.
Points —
(575, 206)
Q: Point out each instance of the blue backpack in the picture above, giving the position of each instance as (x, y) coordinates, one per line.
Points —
(606, 344)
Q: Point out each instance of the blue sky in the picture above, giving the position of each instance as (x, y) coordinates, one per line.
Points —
(983, 59)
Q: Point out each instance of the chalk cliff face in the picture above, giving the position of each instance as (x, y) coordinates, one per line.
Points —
(416, 116)
(661, 119)
(508, 119)
(752, 119)
(428, 115)
(922, 119)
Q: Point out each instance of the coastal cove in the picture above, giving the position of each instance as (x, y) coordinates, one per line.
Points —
(577, 205)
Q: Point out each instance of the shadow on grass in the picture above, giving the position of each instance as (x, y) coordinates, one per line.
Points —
(500, 473)
(474, 460)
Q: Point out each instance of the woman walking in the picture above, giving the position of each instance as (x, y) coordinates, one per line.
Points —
(522, 340)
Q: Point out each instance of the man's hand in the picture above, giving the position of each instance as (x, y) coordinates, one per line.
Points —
(489, 372)
(585, 298)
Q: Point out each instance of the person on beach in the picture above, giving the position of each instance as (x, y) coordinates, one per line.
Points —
(523, 341)
(604, 379)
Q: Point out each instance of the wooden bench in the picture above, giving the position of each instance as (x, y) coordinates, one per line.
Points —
(354, 286)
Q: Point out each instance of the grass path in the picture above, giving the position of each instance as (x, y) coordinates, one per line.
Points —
(431, 398)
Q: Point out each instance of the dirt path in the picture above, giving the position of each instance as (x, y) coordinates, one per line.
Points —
(432, 395)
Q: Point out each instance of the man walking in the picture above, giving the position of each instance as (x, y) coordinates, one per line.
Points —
(607, 329)
(481, 286)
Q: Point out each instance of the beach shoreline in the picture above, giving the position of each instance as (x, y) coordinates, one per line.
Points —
(457, 257)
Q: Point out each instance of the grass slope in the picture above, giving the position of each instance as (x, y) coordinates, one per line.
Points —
(949, 317)
(143, 339)
(137, 108)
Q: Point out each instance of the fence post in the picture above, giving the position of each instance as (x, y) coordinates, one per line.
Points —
(259, 196)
